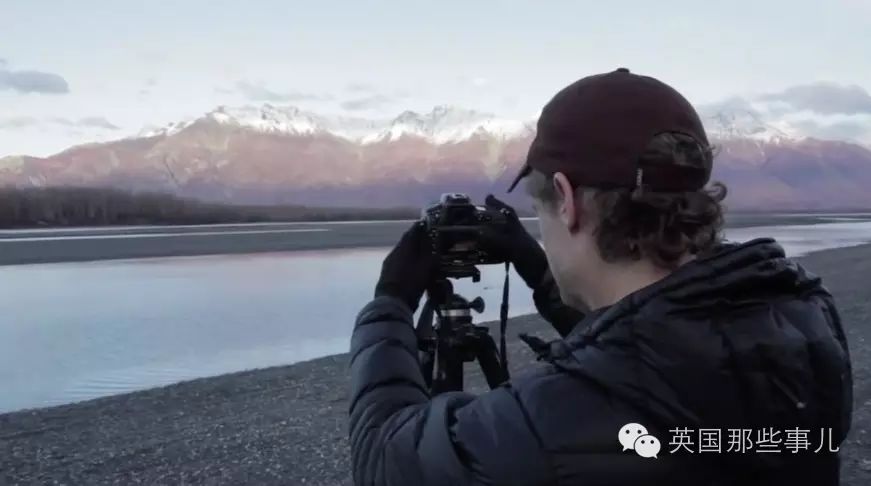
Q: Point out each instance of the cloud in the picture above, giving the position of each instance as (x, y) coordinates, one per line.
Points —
(732, 104)
(85, 122)
(371, 98)
(147, 89)
(841, 130)
(360, 88)
(367, 102)
(824, 98)
(259, 92)
(27, 81)
(822, 111)
(18, 122)
(97, 122)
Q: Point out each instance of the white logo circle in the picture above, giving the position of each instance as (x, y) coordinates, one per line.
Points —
(628, 433)
(647, 446)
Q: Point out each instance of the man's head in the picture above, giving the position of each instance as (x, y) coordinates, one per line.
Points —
(617, 173)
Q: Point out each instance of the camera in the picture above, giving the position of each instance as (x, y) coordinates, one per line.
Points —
(455, 226)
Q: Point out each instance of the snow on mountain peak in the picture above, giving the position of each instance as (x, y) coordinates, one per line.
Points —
(739, 120)
(447, 123)
(154, 131)
(451, 124)
(443, 124)
(268, 118)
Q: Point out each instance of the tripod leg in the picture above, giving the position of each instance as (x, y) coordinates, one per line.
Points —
(488, 358)
(427, 362)
(449, 375)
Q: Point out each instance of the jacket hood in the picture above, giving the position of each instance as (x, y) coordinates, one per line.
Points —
(740, 338)
(757, 270)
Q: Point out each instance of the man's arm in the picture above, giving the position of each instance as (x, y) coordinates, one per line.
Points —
(399, 436)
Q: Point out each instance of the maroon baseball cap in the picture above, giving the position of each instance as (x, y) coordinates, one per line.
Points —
(596, 129)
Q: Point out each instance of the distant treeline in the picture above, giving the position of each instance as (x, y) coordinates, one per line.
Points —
(66, 206)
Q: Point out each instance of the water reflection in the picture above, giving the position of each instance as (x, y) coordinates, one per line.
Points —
(81, 330)
(800, 240)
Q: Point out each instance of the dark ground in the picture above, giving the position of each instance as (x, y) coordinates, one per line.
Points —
(108, 243)
(287, 425)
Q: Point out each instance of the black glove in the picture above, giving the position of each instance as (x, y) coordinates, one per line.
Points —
(409, 268)
(514, 244)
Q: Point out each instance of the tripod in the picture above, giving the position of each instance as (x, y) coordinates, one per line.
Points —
(455, 340)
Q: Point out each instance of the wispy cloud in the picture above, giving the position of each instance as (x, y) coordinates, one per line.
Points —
(733, 103)
(826, 111)
(824, 98)
(29, 81)
(17, 122)
(96, 122)
(147, 88)
(361, 88)
(85, 122)
(368, 102)
(259, 92)
(840, 130)
(370, 97)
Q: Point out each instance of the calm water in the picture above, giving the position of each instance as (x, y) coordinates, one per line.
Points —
(75, 331)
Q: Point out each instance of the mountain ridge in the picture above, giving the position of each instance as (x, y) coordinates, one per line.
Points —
(286, 155)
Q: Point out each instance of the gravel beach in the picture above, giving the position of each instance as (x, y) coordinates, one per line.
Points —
(287, 425)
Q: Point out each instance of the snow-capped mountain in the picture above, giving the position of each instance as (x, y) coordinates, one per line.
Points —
(450, 124)
(444, 124)
(447, 124)
(745, 124)
(155, 131)
(282, 154)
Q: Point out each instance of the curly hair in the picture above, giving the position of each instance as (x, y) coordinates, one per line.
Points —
(660, 226)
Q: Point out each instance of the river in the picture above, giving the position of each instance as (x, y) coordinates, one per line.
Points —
(74, 331)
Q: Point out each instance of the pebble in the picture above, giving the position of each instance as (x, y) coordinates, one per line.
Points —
(277, 425)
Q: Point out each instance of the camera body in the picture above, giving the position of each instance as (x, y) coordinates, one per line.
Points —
(455, 226)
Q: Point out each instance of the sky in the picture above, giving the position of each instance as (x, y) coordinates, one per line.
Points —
(92, 70)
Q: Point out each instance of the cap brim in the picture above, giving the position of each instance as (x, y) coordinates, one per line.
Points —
(524, 171)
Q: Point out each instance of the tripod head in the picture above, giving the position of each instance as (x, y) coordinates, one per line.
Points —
(454, 340)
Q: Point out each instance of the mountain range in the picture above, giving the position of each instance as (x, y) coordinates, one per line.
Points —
(284, 155)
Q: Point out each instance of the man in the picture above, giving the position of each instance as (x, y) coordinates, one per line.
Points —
(730, 357)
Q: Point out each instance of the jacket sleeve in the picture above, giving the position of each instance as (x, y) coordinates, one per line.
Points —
(399, 435)
(549, 304)
(842, 423)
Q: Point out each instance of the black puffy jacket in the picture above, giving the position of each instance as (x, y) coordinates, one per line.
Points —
(741, 339)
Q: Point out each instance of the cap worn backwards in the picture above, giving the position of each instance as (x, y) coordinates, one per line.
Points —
(596, 129)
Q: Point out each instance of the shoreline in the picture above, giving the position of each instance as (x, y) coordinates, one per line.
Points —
(78, 244)
(287, 424)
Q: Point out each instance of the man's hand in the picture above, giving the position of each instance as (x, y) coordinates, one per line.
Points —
(514, 244)
(409, 268)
